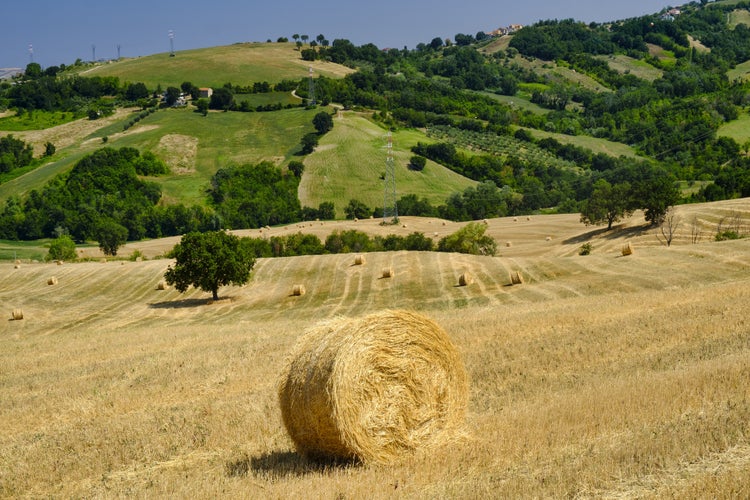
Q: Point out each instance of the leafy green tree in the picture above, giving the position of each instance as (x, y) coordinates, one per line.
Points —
(296, 168)
(110, 236)
(49, 149)
(417, 162)
(309, 141)
(357, 210)
(210, 260)
(656, 196)
(62, 248)
(222, 99)
(136, 91)
(469, 239)
(171, 96)
(202, 106)
(323, 122)
(326, 211)
(607, 203)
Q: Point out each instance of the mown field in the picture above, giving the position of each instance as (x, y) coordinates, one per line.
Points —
(239, 64)
(602, 376)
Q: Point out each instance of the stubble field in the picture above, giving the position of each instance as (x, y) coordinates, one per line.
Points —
(600, 376)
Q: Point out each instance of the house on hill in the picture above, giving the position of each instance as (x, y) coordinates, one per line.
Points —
(206, 92)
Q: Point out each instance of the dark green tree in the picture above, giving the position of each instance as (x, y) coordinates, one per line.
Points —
(322, 122)
(110, 236)
(309, 141)
(656, 196)
(209, 261)
(607, 203)
(357, 210)
(171, 96)
(296, 168)
(417, 162)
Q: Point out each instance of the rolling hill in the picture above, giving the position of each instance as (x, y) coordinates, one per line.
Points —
(601, 376)
(241, 63)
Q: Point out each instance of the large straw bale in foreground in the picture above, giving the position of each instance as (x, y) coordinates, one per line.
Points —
(627, 249)
(373, 389)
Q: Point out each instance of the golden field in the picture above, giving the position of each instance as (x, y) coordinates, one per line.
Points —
(601, 376)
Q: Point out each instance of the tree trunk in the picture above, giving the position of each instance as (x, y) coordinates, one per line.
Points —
(215, 293)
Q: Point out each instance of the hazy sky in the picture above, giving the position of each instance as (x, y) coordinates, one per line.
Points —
(60, 31)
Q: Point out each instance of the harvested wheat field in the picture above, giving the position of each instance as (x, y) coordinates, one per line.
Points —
(602, 376)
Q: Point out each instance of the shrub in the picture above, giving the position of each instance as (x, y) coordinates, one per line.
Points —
(585, 249)
(469, 239)
(62, 248)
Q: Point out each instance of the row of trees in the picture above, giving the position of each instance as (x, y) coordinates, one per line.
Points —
(214, 259)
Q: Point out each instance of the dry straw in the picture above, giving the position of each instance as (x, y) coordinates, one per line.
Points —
(162, 285)
(627, 249)
(298, 290)
(387, 272)
(465, 279)
(508, 244)
(52, 280)
(373, 389)
(359, 260)
(516, 278)
(17, 266)
(16, 315)
(59, 263)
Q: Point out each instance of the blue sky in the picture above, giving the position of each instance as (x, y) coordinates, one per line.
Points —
(60, 31)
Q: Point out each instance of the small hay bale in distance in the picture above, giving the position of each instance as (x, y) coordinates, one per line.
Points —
(359, 260)
(59, 263)
(373, 389)
(52, 280)
(17, 266)
(627, 249)
(298, 290)
(387, 272)
(516, 278)
(16, 315)
(162, 285)
(465, 279)
(508, 244)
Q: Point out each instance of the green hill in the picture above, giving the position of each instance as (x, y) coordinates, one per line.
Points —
(240, 63)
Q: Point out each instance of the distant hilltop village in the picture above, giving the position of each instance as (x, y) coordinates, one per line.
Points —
(508, 30)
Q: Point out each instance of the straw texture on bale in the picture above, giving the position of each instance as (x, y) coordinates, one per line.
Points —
(627, 249)
(17, 266)
(387, 272)
(298, 290)
(162, 285)
(16, 315)
(359, 260)
(516, 278)
(52, 280)
(373, 389)
(465, 279)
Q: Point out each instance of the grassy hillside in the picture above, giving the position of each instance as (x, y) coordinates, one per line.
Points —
(601, 376)
(738, 129)
(351, 158)
(241, 64)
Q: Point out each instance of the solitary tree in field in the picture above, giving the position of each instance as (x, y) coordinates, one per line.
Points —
(210, 260)
(608, 203)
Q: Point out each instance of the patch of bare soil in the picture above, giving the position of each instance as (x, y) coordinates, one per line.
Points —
(178, 152)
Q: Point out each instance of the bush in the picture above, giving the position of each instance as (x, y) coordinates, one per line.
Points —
(469, 239)
(585, 249)
(62, 248)
(417, 163)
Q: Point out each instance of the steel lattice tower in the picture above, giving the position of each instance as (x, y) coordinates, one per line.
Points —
(389, 195)
(311, 89)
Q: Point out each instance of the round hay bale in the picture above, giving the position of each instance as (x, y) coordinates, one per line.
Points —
(387, 272)
(52, 280)
(508, 244)
(373, 389)
(627, 249)
(298, 290)
(17, 262)
(515, 219)
(359, 260)
(16, 315)
(516, 278)
(162, 285)
(17, 266)
(548, 238)
(465, 279)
